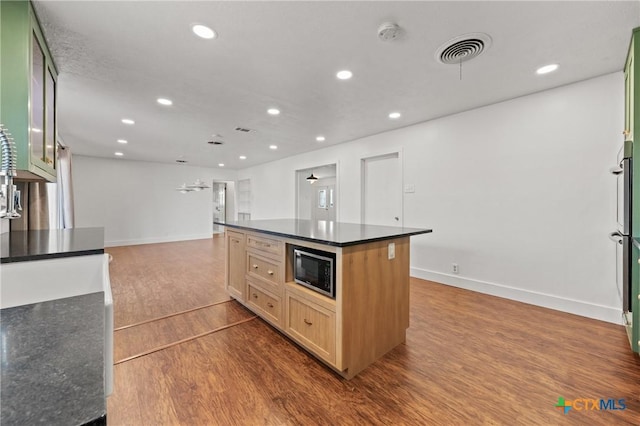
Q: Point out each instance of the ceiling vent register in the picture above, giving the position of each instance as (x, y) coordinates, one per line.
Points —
(463, 48)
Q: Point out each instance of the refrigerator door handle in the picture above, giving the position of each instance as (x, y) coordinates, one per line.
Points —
(616, 237)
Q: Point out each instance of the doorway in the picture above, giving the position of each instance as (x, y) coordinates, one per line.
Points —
(317, 199)
(219, 205)
(382, 190)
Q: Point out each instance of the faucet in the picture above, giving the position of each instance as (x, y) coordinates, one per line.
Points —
(9, 195)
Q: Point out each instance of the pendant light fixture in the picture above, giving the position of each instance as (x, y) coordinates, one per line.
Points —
(198, 185)
(311, 179)
(184, 189)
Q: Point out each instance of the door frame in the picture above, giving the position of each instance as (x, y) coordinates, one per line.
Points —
(296, 172)
(363, 181)
(215, 182)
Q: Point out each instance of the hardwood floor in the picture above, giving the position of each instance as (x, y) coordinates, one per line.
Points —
(469, 358)
(154, 280)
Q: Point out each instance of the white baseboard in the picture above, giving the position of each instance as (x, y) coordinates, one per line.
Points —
(155, 240)
(577, 307)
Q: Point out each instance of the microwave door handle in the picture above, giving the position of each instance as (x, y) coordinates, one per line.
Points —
(616, 237)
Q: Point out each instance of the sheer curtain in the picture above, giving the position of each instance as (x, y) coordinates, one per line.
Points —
(65, 188)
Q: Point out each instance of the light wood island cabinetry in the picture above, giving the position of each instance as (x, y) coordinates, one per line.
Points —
(370, 313)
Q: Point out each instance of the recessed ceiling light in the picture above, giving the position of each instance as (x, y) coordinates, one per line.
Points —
(547, 69)
(203, 31)
(273, 147)
(128, 121)
(122, 141)
(320, 138)
(243, 157)
(394, 115)
(164, 101)
(119, 154)
(273, 111)
(344, 75)
(221, 164)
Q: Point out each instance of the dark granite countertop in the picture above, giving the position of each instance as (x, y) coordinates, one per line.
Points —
(20, 246)
(52, 362)
(339, 234)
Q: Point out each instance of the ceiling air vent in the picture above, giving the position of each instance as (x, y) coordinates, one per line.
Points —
(463, 48)
(181, 161)
(243, 129)
(215, 142)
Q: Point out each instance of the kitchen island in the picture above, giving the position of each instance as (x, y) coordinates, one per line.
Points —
(56, 325)
(369, 313)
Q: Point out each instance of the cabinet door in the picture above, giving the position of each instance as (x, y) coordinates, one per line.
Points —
(629, 98)
(236, 284)
(50, 119)
(312, 326)
(36, 96)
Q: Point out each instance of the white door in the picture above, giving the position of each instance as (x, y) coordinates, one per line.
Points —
(382, 190)
(323, 203)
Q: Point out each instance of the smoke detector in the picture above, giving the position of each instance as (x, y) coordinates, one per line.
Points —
(463, 48)
(389, 31)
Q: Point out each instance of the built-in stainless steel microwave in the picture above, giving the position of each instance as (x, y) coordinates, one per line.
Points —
(315, 269)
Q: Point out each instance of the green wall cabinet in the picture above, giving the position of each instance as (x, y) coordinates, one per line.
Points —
(28, 88)
(632, 106)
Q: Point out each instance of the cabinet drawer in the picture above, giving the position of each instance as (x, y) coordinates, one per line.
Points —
(312, 325)
(264, 244)
(264, 303)
(236, 237)
(266, 269)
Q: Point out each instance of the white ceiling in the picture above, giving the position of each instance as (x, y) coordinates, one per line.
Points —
(116, 58)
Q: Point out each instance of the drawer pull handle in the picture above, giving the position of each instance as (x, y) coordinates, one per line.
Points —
(255, 296)
(306, 321)
(270, 305)
(270, 272)
(255, 266)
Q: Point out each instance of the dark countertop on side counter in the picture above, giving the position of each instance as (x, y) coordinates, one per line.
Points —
(339, 234)
(52, 362)
(20, 246)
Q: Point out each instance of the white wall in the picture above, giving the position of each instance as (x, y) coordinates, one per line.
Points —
(136, 202)
(517, 193)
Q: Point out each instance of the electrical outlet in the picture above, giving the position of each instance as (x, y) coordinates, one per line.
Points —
(454, 268)
(391, 251)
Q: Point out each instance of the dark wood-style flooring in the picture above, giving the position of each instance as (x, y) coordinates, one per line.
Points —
(469, 358)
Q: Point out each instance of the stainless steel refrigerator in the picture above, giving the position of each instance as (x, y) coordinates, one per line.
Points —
(622, 235)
